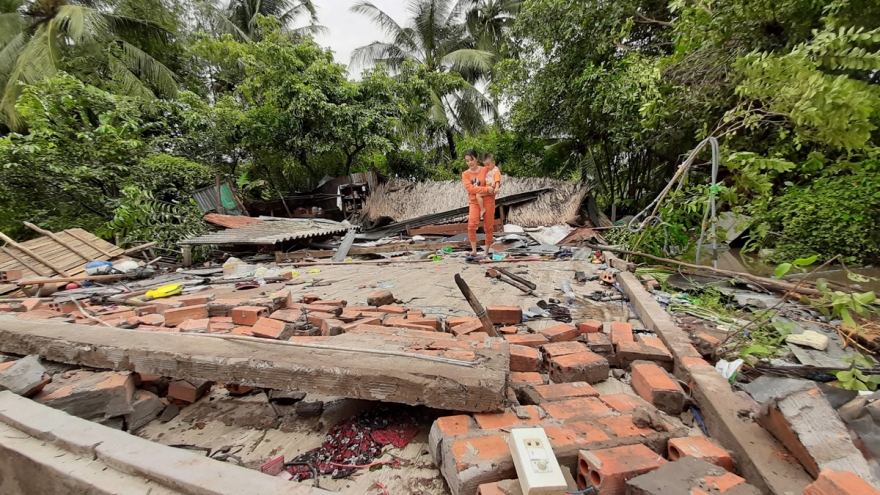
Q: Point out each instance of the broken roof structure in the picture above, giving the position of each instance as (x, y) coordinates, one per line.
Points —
(269, 232)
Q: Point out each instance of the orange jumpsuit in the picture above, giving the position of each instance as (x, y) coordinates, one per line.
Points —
(475, 183)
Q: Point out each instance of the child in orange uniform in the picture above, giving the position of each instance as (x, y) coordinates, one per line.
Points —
(493, 179)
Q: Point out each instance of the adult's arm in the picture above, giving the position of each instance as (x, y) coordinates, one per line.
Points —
(472, 189)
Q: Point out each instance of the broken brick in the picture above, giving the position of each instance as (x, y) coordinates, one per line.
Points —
(582, 367)
(607, 470)
(554, 392)
(504, 315)
(832, 482)
(89, 395)
(186, 391)
(248, 315)
(561, 349)
(579, 409)
(559, 333)
(468, 327)
(590, 326)
(524, 359)
(701, 448)
(195, 326)
(269, 328)
(176, 316)
(381, 298)
(621, 331)
(653, 384)
(527, 339)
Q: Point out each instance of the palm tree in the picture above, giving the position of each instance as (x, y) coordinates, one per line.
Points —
(436, 37)
(39, 38)
(239, 17)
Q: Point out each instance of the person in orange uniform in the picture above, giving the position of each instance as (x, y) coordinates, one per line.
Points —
(474, 181)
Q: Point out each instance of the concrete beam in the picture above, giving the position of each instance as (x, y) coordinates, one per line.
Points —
(762, 460)
(355, 365)
(43, 450)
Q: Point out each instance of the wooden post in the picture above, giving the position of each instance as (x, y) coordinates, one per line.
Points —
(187, 255)
(55, 238)
(33, 255)
(475, 305)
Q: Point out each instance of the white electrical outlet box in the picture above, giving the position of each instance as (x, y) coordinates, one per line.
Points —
(536, 465)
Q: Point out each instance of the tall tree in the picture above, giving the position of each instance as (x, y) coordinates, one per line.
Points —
(239, 17)
(435, 36)
(39, 38)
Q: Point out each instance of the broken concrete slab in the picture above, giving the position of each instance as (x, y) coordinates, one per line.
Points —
(813, 432)
(367, 366)
(90, 395)
(24, 376)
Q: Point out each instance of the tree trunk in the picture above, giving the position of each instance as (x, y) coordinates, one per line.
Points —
(450, 140)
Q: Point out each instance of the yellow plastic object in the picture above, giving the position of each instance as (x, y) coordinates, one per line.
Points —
(165, 291)
(314, 270)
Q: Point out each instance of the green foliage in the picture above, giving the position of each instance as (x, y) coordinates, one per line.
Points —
(764, 341)
(831, 216)
(853, 378)
(516, 155)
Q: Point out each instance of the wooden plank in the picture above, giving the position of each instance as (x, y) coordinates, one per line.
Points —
(33, 255)
(81, 278)
(813, 432)
(364, 366)
(25, 265)
(55, 238)
(137, 249)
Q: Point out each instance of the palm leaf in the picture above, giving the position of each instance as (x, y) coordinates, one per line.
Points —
(129, 83)
(377, 17)
(141, 63)
(378, 52)
(478, 61)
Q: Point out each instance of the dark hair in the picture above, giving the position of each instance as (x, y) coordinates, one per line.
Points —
(472, 153)
(488, 156)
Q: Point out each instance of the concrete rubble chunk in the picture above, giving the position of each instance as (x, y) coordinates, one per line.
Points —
(813, 432)
(689, 476)
(147, 406)
(23, 377)
(90, 395)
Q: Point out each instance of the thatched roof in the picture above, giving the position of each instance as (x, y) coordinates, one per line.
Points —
(401, 200)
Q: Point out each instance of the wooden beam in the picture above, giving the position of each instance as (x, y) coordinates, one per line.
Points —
(355, 250)
(80, 278)
(87, 243)
(55, 238)
(365, 366)
(33, 255)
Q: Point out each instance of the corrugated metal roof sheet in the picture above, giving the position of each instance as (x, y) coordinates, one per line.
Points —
(270, 232)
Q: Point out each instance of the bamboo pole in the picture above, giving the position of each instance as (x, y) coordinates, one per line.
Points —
(33, 255)
(57, 239)
(24, 263)
(86, 242)
(519, 279)
(136, 249)
(778, 284)
(475, 305)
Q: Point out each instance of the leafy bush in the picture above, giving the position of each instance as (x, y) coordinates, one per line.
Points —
(833, 215)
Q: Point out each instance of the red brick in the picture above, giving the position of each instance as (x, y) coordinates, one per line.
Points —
(508, 330)
(468, 327)
(476, 336)
(504, 315)
(310, 298)
(621, 332)
(235, 389)
(524, 358)
(413, 326)
(486, 451)
(840, 483)
(248, 315)
(195, 326)
(331, 327)
(722, 483)
(560, 333)
(527, 339)
(414, 314)
(146, 310)
(187, 392)
(10, 275)
(315, 319)
(590, 326)
(221, 327)
(562, 348)
(654, 385)
(582, 367)
(624, 427)
(434, 323)
(522, 379)
(540, 394)
(288, 315)
(163, 306)
(381, 298)
(607, 470)
(176, 316)
(269, 328)
(223, 307)
(7, 364)
(567, 439)
(624, 402)
(458, 320)
(460, 355)
(63, 307)
(347, 327)
(392, 310)
(580, 409)
(599, 343)
(453, 426)
(490, 489)
(153, 320)
(705, 343)
(243, 330)
(336, 303)
(690, 362)
(317, 308)
(32, 303)
(629, 352)
(702, 448)
(507, 419)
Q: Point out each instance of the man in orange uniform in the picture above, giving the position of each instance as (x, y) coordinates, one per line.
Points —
(474, 181)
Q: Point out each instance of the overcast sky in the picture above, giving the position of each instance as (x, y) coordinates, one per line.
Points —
(349, 31)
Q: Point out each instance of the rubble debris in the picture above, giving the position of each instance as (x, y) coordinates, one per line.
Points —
(608, 470)
(187, 390)
(809, 339)
(831, 482)
(813, 432)
(147, 406)
(90, 395)
(689, 476)
(701, 448)
(25, 376)
(653, 384)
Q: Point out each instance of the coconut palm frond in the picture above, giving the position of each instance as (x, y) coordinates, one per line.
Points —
(377, 17)
(141, 63)
(377, 52)
(128, 81)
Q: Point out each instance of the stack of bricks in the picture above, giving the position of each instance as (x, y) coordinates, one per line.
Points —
(472, 450)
